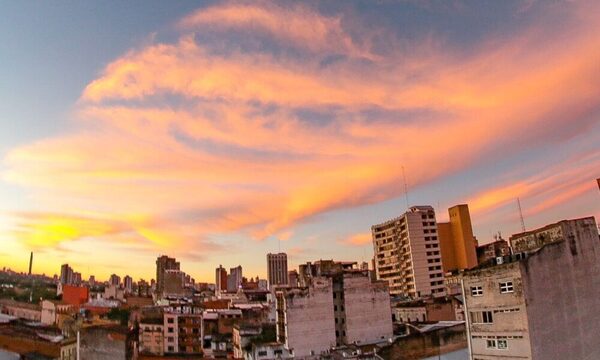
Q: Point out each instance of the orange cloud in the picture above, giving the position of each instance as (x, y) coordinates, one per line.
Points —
(235, 153)
(358, 239)
(297, 24)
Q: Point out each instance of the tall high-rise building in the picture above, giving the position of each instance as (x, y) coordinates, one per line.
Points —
(220, 279)
(115, 280)
(407, 254)
(164, 263)
(277, 269)
(128, 284)
(457, 243)
(234, 280)
(66, 274)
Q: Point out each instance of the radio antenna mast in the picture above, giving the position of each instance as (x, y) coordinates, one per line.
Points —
(521, 215)
(405, 187)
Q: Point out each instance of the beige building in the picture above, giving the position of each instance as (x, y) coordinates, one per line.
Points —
(31, 312)
(541, 304)
(457, 243)
(407, 254)
(183, 333)
(151, 338)
(53, 311)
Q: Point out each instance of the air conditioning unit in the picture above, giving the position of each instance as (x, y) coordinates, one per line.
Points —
(499, 260)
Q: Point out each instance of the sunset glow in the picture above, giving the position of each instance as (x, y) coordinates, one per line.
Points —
(235, 128)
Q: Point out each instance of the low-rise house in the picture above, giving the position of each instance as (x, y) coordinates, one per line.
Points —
(47, 342)
(31, 312)
(54, 312)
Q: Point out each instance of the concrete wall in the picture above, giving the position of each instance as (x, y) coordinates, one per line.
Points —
(418, 346)
(367, 307)
(309, 320)
(562, 290)
(98, 343)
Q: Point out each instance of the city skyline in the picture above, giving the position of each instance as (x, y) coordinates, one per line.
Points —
(218, 132)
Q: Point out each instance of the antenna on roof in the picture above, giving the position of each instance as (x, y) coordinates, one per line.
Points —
(521, 215)
(405, 187)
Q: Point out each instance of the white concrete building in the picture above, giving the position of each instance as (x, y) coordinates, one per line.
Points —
(365, 313)
(407, 254)
(305, 319)
(542, 304)
(357, 312)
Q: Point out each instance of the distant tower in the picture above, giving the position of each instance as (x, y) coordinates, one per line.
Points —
(30, 262)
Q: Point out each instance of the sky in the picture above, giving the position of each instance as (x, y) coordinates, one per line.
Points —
(216, 132)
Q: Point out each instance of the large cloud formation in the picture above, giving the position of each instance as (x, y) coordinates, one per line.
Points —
(261, 116)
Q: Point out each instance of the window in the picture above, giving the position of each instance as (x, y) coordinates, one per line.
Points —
(487, 317)
(170, 320)
(506, 287)
(502, 344)
(170, 330)
(490, 343)
(482, 317)
(476, 291)
(262, 353)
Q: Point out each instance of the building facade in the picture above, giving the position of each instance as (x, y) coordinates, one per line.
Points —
(151, 338)
(457, 243)
(491, 251)
(164, 263)
(540, 304)
(183, 333)
(358, 311)
(305, 318)
(407, 254)
(234, 280)
(277, 269)
(220, 279)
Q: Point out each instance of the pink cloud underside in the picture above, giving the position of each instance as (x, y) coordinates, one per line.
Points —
(234, 155)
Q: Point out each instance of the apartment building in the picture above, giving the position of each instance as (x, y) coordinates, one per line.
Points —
(164, 263)
(457, 243)
(183, 333)
(407, 254)
(538, 304)
(151, 338)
